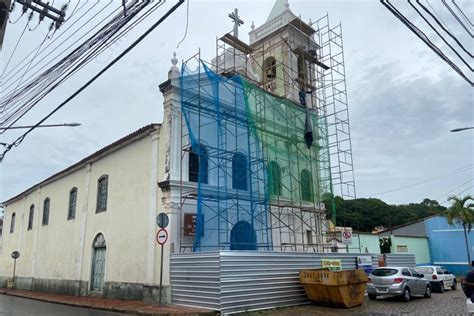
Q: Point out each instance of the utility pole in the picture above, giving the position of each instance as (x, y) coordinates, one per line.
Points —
(4, 14)
(45, 10)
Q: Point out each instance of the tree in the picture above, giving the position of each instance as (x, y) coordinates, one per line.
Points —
(462, 212)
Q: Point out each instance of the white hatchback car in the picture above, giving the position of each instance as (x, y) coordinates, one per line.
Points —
(439, 277)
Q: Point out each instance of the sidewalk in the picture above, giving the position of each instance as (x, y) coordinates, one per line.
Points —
(120, 306)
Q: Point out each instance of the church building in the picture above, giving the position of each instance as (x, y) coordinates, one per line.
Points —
(244, 161)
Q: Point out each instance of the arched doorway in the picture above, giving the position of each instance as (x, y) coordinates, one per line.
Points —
(98, 263)
(243, 237)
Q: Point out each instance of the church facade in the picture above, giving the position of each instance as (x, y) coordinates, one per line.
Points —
(240, 162)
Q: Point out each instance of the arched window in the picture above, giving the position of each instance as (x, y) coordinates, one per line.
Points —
(98, 263)
(269, 69)
(12, 223)
(71, 214)
(46, 212)
(239, 171)
(198, 164)
(274, 178)
(306, 186)
(102, 188)
(31, 216)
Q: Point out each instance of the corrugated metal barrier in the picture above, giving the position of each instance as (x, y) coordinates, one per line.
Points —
(400, 260)
(237, 281)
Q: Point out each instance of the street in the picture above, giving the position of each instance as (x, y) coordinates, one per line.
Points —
(448, 303)
(15, 306)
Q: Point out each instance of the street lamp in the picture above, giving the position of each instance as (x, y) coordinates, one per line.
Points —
(461, 129)
(46, 125)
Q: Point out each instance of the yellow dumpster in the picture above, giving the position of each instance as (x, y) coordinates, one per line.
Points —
(334, 288)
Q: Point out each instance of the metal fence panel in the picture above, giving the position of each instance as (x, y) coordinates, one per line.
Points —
(400, 260)
(245, 280)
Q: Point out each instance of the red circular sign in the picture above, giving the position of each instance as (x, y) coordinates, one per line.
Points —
(347, 234)
(161, 236)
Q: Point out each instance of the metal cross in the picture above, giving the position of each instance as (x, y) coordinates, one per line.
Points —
(237, 21)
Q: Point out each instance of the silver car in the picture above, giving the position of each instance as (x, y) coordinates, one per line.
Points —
(397, 281)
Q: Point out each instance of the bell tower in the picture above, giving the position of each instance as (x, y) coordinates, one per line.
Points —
(284, 53)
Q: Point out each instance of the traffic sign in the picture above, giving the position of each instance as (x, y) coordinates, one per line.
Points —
(162, 220)
(162, 236)
(15, 255)
(347, 237)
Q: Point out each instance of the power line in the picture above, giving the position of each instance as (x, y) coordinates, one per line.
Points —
(450, 173)
(470, 187)
(456, 17)
(436, 31)
(424, 38)
(126, 51)
(462, 13)
(444, 29)
(452, 190)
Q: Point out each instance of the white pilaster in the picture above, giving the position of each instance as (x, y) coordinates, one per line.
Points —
(152, 211)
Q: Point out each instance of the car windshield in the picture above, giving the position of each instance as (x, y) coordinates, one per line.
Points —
(384, 272)
(424, 270)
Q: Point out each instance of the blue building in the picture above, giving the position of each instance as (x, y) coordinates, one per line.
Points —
(446, 243)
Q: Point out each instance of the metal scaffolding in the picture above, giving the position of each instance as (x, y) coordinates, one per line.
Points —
(245, 105)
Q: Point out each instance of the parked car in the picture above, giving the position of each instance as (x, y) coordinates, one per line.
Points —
(397, 281)
(439, 277)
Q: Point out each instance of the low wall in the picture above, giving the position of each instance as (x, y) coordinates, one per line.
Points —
(238, 281)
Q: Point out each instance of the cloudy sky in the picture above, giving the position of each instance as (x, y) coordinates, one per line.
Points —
(403, 99)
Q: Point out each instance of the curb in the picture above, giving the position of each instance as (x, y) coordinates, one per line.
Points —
(103, 308)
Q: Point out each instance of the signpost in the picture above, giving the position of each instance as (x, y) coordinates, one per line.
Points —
(15, 255)
(162, 220)
(347, 237)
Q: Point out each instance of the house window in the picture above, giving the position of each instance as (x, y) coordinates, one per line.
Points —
(306, 186)
(274, 178)
(402, 248)
(30, 217)
(102, 187)
(198, 164)
(269, 69)
(46, 212)
(12, 224)
(71, 214)
(239, 171)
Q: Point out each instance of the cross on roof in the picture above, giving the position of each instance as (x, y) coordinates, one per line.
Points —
(237, 21)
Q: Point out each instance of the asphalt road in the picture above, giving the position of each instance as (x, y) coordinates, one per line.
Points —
(449, 303)
(16, 306)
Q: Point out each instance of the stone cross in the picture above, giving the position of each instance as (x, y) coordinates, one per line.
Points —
(237, 21)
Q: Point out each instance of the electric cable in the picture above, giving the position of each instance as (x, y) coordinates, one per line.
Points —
(447, 174)
(452, 190)
(436, 31)
(462, 13)
(456, 17)
(20, 139)
(187, 22)
(424, 38)
(448, 32)
(14, 49)
(68, 75)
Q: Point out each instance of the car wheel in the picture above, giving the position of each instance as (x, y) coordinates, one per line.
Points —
(455, 285)
(441, 287)
(428, 292)
(406, 295)
(372, 297)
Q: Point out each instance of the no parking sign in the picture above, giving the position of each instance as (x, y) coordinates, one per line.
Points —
(347, 237)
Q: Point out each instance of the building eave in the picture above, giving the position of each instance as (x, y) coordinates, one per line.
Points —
(105, 151)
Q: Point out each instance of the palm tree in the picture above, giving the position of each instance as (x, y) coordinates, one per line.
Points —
(460, 213)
